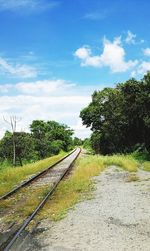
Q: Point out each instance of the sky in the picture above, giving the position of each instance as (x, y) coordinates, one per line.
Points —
(55, 53)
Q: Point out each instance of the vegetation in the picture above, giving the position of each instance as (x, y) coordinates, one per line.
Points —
(70, 191)
(50, 137)
(80, 184)
(132, 178)
(77, 142)
(74, 189)
(11, 177)
(146, 166)
(120, 117)
(120, 120)
(127, 162)
(46, 139)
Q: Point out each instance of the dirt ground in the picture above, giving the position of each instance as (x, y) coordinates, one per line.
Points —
(116, 219)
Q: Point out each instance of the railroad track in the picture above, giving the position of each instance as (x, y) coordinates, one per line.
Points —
(52, 176)
(34, 178)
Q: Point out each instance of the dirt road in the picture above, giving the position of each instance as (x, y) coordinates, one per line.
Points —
(116, 219)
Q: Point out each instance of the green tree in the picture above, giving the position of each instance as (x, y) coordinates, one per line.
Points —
(50, 137)
(120, 117)
(77, 141)
(38, 131)
(24, 147)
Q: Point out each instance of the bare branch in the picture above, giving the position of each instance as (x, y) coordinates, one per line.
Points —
(13, 123)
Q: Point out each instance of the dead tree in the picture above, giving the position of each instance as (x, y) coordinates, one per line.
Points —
(13, 123)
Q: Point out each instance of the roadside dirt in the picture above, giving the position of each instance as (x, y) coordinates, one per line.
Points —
(116, 219)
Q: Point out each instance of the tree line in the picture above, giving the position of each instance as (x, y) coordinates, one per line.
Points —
(120, 117)
(44, 140)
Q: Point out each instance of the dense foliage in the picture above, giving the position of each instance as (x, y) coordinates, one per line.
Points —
(120, 117)
(44, 140)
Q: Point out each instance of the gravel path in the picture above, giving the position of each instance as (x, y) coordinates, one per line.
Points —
(117, 219)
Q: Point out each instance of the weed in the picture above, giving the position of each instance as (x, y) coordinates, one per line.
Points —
(126, 162)
(132, 177)
(146, 166)
(11, 177)
(79, 185)
(74, 189)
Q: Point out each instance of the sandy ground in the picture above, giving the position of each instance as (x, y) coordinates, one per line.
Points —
(117, 219)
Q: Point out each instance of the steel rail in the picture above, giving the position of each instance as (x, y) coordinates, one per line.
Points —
(41, 204)
(25, 183)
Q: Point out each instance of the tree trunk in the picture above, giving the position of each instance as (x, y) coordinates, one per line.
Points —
(20, 160)
(14, 151)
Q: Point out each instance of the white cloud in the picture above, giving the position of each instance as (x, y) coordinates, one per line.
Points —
(146, 52)
(133, 74)
(113, 56)
(43, 86)
(97, 15)
(5, 88)
(59, 100)
(130, 39)
(80, 130)
(27, 5)
(143, 67)
(22, 71)
(85, 54)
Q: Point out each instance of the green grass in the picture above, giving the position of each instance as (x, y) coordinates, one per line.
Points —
(74, 189)
(126, 162)
(13, 176)
(79, 184)
(132, 178)
(22, 204)
(146, 166)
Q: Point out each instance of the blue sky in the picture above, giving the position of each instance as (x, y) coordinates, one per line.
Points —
(55, 53)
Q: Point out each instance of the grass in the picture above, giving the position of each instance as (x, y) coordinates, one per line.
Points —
(22, 204)
(80, 184)
(146, 166)
(70, 191)
(74, 189)
(126, 162)
(13, 176)
(132, 177)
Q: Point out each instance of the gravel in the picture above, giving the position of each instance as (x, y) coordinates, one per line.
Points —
(116, 219)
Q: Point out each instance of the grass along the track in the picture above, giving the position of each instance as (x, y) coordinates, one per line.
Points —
(13, 176)
(76, 187)
(73, 189)
(79, 184)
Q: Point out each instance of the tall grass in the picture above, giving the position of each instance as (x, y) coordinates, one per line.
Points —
(127, 162)
(79, 185)
(146, 166)
(73, 189)
(13, 176)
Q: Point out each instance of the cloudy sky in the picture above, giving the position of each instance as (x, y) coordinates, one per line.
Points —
(55, 53)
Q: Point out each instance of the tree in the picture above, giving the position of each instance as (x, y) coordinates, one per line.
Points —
(46, 139)
(6, 147)
(50, 137)
(13, 123)
(77, 141)
(24, 147)
(120, 117)
(38, 131)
